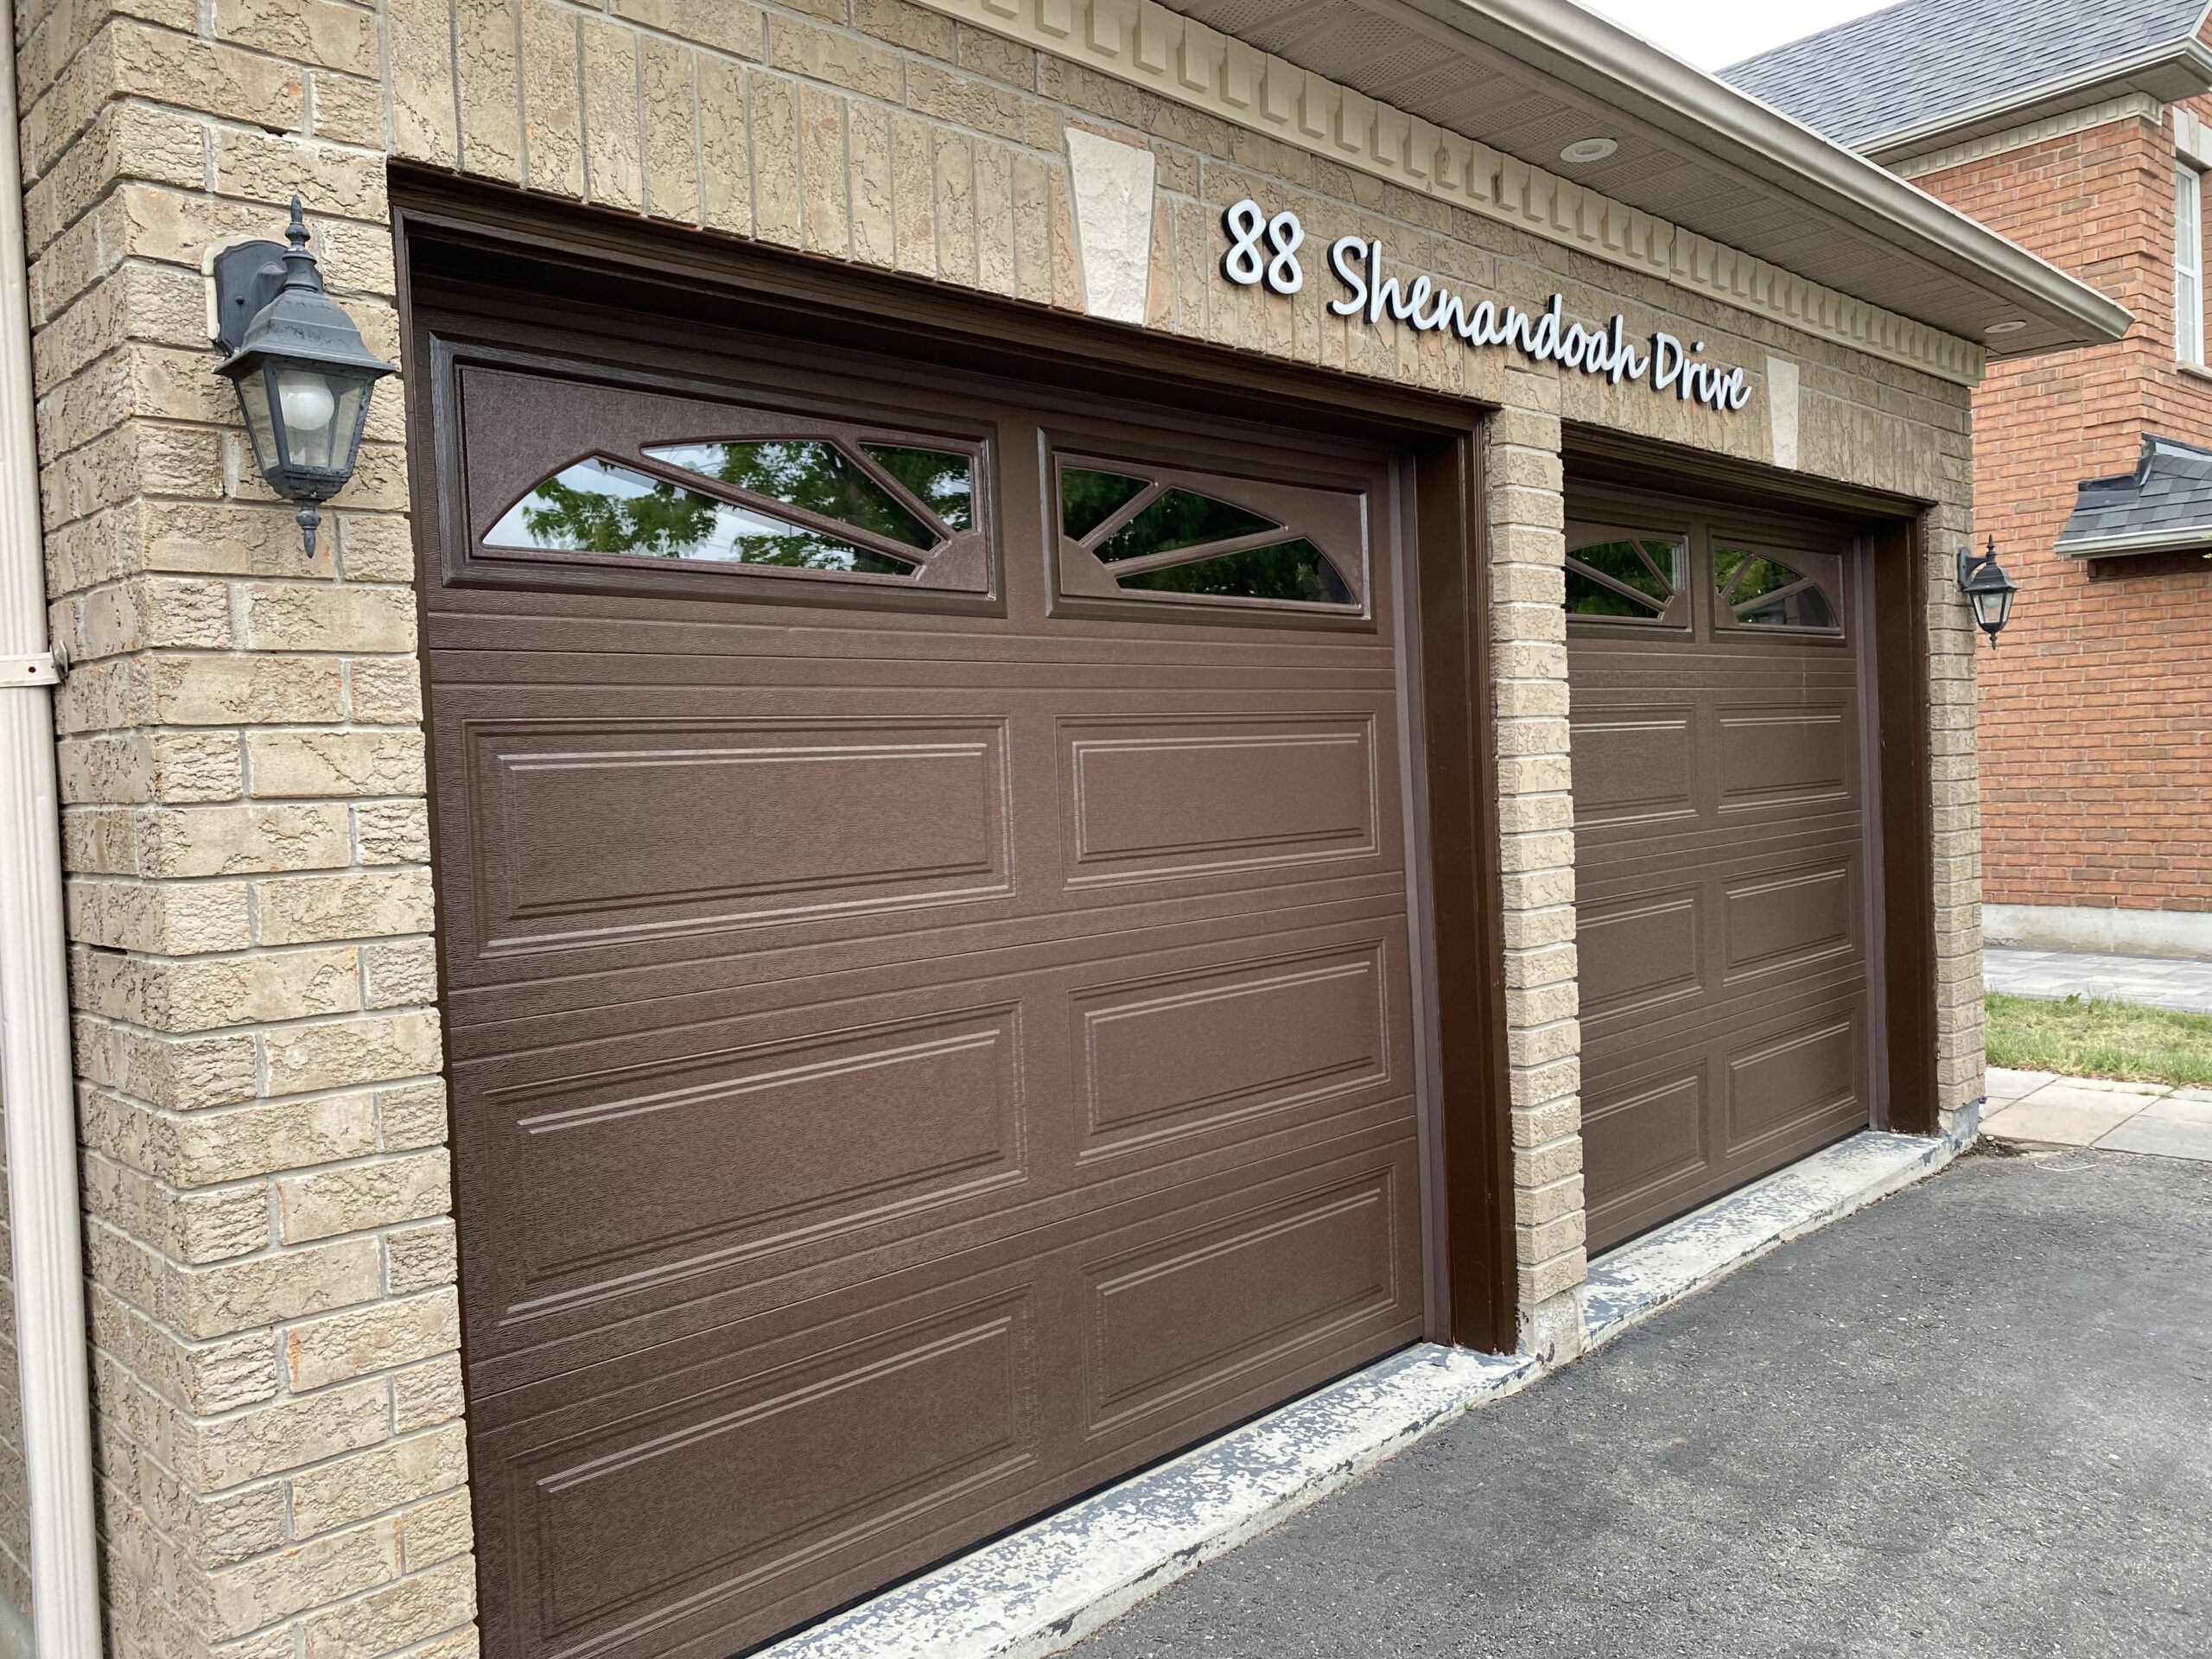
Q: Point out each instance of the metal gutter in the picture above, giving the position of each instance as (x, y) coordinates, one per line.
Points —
(37, 1074)
(2161, 541)
(1604, 61)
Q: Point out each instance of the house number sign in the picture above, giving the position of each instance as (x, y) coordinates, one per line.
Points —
(1263, 251)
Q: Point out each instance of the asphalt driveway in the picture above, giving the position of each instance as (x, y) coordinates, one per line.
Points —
(1975, 1419)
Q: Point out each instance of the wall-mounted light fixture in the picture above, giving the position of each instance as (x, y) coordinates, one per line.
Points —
(1987, 588)
(304, 376)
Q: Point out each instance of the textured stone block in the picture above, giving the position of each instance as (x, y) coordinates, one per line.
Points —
(231, 1296)
(339, 764)
(403, 1187)
(416, 1608)
(382, 1479)
(306, 1575)
(343, 1053)
(364, 904)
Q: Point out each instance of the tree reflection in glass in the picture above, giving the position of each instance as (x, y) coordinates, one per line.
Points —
(942, 481)
(1180, 519)
(600, 507)
(1090, 498)
(1764, 593)
(1294, 570)
(803, 473)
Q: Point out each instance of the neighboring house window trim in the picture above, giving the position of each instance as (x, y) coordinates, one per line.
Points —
(2188, 265)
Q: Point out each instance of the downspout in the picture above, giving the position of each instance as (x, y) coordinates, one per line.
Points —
(37, 1078)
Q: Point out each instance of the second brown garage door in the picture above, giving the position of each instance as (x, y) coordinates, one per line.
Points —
(924, 917)
(1720, 849)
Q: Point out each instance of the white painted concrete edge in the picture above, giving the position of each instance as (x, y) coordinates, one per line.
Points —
(1043, 1589)
(2174, 933)
(1629, 1284)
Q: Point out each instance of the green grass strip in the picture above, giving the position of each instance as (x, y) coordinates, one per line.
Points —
(2083, 1037)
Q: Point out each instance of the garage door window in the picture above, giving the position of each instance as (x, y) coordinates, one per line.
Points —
(600, 505)
(1761, 591)
(1172, 537)
(1626, 577)
(749, 501)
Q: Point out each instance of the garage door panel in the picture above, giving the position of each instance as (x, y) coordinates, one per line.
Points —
(590, 832)
(705, 1489)
(622, 1177)
(755, 1478)
(1649, 1135)
(1779, 756)
(1779, 920)
(1806, 1074)
(1179, 1055)
(1190, 1314)
(1194, 794)
(1634, 767)
(1641, 950)
(915, 822)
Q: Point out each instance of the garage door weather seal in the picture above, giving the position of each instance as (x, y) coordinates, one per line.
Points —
(1043, 1589)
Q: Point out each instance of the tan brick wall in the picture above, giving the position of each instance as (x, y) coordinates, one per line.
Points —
(2097, 712)
(279, 1396)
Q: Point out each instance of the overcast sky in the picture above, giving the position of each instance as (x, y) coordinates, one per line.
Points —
(1712, 33)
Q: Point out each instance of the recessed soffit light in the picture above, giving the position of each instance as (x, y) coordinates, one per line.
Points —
(1585, 150)
(2011, 326)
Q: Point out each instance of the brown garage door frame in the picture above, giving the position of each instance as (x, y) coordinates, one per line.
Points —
(484, 235)
(1890, 540)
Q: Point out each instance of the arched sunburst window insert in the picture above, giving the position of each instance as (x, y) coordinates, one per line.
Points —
(1146, 533)
(1759, 589)
(1618, 575)
(840, 506)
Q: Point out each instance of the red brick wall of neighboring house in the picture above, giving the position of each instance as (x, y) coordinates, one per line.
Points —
(2096, 713)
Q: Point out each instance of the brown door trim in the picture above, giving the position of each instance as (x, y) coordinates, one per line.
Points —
(1466, 907)
(1907, 965)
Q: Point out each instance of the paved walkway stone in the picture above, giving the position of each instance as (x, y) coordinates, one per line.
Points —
(2040, 1109)
(2153, 982)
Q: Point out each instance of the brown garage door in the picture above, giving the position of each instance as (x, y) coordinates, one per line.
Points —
(924, 916)
(1720, 850)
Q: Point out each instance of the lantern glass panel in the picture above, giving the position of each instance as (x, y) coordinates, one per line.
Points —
(253, 397)
(321, 411)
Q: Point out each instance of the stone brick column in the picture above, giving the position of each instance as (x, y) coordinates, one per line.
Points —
(1954, 788)
(1526, 520)
(275, 1323)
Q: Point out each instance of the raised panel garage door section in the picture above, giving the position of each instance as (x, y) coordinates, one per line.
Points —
(926, 955)
(1721, 850)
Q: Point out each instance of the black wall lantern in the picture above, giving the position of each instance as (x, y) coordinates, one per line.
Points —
(1988, 589)
(304, 375)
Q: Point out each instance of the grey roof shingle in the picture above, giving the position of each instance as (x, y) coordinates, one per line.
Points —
(2166, 501)
(1917, 63)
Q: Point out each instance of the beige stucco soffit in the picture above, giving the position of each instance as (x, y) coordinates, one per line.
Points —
(1725, 165)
